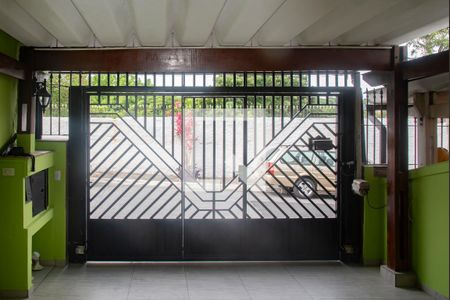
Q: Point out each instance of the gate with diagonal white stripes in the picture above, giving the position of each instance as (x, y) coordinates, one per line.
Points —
(213, 173)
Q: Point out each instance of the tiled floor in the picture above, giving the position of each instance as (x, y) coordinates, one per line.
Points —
(218, 281)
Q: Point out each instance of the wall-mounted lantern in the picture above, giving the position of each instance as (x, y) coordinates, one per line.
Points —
(40, 93)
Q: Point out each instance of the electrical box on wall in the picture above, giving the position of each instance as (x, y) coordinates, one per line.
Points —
(8, 172)
(320, 143)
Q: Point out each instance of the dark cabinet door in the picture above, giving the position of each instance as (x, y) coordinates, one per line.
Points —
(37, 188)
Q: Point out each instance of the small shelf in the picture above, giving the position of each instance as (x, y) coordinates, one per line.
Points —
(17, 215)
(21, 166)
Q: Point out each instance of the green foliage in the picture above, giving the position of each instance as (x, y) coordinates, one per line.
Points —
(158, 106)
(261, 79)
(429, 44)
(164, 105)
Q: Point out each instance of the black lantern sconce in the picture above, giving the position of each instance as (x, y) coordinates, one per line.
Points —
(42, 96)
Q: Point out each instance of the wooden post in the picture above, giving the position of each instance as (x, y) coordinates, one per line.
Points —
(26, 107)
(426, 129)
(398, 232)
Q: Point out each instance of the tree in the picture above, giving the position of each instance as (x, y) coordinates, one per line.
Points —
(428, 44)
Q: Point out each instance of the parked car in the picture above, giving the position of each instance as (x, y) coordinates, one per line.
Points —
(306, 173)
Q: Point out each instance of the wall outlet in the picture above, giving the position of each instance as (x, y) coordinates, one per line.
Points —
(8, 171)
(57, 175)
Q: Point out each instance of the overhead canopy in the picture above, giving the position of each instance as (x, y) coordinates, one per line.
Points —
(217, 23)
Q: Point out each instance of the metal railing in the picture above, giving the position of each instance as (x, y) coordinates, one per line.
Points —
(374, 127)
(55, 120)
(442, 132)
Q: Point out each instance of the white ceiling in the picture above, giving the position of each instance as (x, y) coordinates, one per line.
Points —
(219, 23)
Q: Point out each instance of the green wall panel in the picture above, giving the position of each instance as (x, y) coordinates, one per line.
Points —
(374, 226)
(50, 241)
(17, 225)
(429, 200)
(8, 91)
(45, 232)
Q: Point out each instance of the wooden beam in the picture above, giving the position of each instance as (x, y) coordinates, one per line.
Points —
(210, 60)
(11, 67)
(426, 66)
(441, 97)
(398, 232)
(439, 110)
(431, 105)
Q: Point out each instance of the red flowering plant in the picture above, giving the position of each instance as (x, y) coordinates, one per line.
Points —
(188, 122)
(186, 125)
(179, 120)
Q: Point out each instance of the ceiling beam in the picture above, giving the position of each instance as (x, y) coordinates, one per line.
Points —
(239, 21)
(396, 21)
(11, 67)
(188, 30)
(210, 60)
(151, 20)
(292, 18)
(331, 26)
(61, 19)
(114, 27)
(18, 24)
(426, 66)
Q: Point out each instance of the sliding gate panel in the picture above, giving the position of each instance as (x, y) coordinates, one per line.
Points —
(135, 184)
(217, 176)
(254, 187)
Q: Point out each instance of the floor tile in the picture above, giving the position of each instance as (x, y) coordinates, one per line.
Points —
(224, 281)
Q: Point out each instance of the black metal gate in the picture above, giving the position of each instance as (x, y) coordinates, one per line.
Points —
(212, 173)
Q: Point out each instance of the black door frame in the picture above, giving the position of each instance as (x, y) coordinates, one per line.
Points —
(344, 231)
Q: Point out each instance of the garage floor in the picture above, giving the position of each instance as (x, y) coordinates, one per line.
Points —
(235, 280)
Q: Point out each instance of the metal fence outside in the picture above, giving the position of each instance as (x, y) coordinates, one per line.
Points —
(55, 120)
(374, 127)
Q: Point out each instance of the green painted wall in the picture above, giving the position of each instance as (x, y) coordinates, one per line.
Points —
(430, 236)
(20, 233)
(374, 224)
(429, 200)
(17, 225)
(50, 241)
(8, 91)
